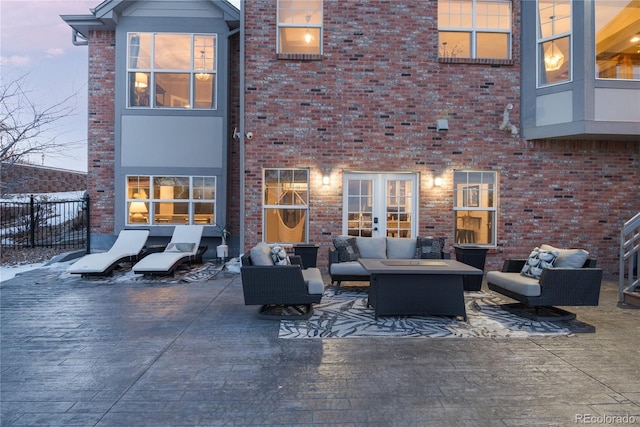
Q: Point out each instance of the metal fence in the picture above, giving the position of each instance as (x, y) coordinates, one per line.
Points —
(37, 221)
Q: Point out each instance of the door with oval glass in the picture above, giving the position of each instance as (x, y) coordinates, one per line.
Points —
(380, 204)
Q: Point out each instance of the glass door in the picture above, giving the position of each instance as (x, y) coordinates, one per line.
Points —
(377, 205)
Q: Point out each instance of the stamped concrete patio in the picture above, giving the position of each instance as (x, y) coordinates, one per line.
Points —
(85, 352)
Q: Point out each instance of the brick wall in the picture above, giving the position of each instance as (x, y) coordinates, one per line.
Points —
(101, 127)
(371, 104)
(29, 179)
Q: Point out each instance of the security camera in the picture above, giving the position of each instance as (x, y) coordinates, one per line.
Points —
(249, 135)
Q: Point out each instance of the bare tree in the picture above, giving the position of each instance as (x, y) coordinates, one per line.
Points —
(25, 126)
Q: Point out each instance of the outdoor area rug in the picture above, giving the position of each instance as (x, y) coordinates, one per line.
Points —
(346, 315)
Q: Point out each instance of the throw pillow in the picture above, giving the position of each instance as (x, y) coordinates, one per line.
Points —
(372, 247)
(429, 247)
(279, 255)
(261, 254)
(347, 248)
(568, 258)
(538, 260)
(180, 247)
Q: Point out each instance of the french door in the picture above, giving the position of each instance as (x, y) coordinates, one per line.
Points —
(380, 204)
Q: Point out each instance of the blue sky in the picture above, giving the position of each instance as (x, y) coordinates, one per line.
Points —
(36, 42)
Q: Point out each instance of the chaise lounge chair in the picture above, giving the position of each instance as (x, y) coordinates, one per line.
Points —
(183, 247)
(127, 248)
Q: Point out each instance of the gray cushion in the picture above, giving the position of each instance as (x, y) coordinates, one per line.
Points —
(180, 247)
(400, 248)
(261, 254)
(372, 247)
(352, 268)
(313, 278)
(347, 248)
(568, 258)
(429, 248)
(515, 282)
(538, 260)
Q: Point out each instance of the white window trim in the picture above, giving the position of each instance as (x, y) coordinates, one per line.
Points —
(493, 208)
(270, 206)
(541, 40)
(150, 200)
(192, 72)
(303, 25)
(474, 30)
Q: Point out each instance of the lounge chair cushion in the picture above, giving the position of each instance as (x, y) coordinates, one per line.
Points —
(313, 279)
(350, 268)
(400, 248)
(515, 282)
(180, 247)
(129, 244)
(261, 254)
(347, 248)
(568, 258)
(372, 247)
(538, 260)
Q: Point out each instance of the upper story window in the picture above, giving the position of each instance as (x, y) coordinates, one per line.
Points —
(554, 41)
(170, 70)
(475, 206)
(617, 40)
(300, 26)
(474, 29)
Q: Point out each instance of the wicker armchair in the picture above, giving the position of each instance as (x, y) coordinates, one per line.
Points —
(557, 286)
(281, 290)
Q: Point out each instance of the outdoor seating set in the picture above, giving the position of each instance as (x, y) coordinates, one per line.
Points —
(184, 247)
(416, 277)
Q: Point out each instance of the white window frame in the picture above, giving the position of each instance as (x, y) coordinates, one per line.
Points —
(304, 207)
(474, 30)
(310, 25)
(553, 37)
(151, 201)
(195, 69)
(461, 201)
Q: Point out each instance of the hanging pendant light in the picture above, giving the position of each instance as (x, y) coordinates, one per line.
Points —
(553, 58)
(202, 76)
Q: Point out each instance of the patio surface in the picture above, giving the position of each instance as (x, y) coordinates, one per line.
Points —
(80, 352)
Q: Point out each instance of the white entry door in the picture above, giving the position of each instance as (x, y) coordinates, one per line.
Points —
(380, 204)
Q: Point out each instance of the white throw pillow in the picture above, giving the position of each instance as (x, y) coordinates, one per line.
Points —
(261, 254)
(568, 258)
(372, 247)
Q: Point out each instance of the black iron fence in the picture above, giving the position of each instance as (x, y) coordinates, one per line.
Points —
(39, 221)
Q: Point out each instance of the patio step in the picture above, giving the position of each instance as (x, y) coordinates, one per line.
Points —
(632, 298)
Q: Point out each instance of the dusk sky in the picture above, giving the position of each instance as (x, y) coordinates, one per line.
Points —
(35, 42)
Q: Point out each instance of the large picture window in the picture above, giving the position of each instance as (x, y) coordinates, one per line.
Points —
(617, 39)
(170, 200)
(167, 70)
(475, 207)
(554, 41)
(300, 26)
(286, 205)
(474, 29)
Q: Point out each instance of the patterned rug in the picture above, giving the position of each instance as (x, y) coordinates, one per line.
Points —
(346, 315)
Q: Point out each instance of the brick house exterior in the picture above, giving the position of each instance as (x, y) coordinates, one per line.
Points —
(370, 102)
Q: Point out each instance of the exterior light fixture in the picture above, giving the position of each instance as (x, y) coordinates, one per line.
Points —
(553, 58)
(202, 76)
(326, 178)
(437, 181)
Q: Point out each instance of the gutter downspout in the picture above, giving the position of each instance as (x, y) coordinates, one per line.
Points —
(78, 39)
(242, 132)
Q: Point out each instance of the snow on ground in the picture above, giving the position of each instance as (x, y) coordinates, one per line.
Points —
(9, 271)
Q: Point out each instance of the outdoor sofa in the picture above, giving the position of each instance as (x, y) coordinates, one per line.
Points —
(346, 250)
(284, 291)
(569, 279)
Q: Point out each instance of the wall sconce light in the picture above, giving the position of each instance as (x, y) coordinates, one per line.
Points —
(326, 177)
(437, 181)
(442, 125)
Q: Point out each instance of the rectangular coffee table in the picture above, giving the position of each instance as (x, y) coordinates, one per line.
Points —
(417, 286)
